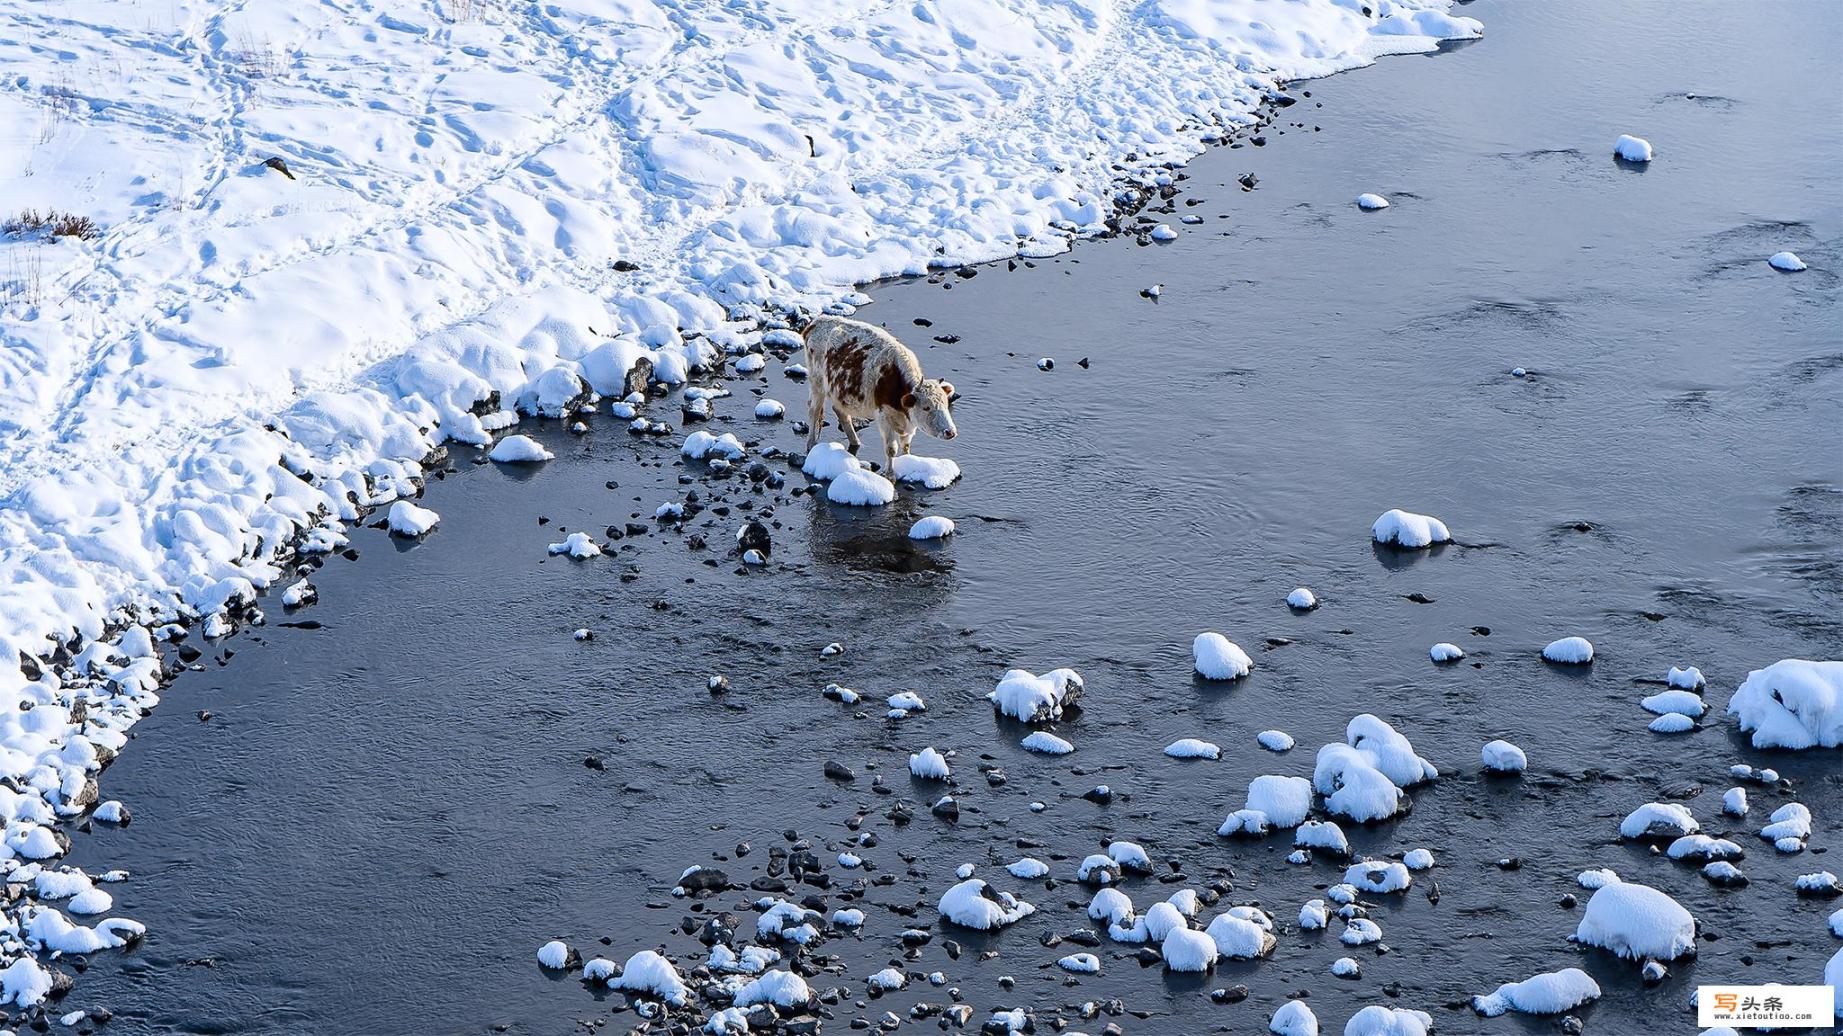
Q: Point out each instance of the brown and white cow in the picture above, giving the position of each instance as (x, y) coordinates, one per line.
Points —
(866, 373)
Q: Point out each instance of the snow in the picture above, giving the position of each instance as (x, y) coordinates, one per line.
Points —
(1315, 834)
(1047, 743)
(1293, 1018)
(1833, 977)
(1275, 740)
(1552, 992)
(770, 409)
(929, 765)
(861, 487)
(1364, 779)
(1239, 938)
(1410, 530)
(1163, 233)
(1637, 922)
(1028, 868)
(886, 980)
(1080, 964)
(783, 988)
(1380, 876)
(1360, 931)
(1377, 1020)
(1658, 820)
(519, 449)
(1193, 748)
(577, 545)
(1675, 723)
(933, 527)
(1787, 261)
(1503, 757)
(1371, 202)
(1302, 599)
(1703, 847)
(650, 974)
(1444, 652)
(1677, 702)
(1312, 915)
(1024, 695)
(1283, 801)
(828, 460)
(1734, 802)
(1418, 859)
(1792, 703)
(408, 520)
(554, 954)
(972, 904)
(1690, 679)
(1632, 149)
(701, 445)
(1569, 651)
(1346, 967)
(1217, 658)
(932, 472)
(1188, 950)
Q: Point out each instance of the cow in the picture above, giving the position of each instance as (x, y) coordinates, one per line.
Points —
(866, 373)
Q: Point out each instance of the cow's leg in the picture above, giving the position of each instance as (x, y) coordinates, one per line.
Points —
(892, 443)
(815, 410)
(850, 426)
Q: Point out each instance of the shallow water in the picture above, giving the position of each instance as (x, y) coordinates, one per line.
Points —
(384, 816)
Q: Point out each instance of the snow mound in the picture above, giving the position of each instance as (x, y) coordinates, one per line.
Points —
(1047, 743)
(932, 472)
(1632, 149)
(519, 449)
(1786, 261)
(1690, 679)
(933, 527)
(1302, 599)
(1674, 723)
(1239, 938)
(1379, 876)
(1080, 964)
(1283, 801)
(1293, 1018)
(1569, 651)
(781, 988)
(929, 765)
(650, 974)
(1275, 740)
(705, 446)
(974, 904)
(1552, 992)
(1371, 202)
(1217, 658)
(555, 954)
(1193, 748)
(1674, 702)
(1410, 530)
(1637, 922)
(1376, 1020)
(1024, 695)
(861, 487)
(407, 520)
(1792, 703)
(577, 545)
(828, 460)
(1418, 859)
(1364, 779)
(770, 409)
(1444, 652)
(1658, 820)
(1186, 949)
(1503, 757)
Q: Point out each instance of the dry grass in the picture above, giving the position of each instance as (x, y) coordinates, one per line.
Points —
(51, 223)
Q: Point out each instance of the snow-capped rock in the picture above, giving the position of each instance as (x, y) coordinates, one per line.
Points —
(1024, 695)
(1569, 651)
(931, 527)
(860, 487)
(409, 521)
(1792, 703)
(1552, 992)
(519, 449)
(1193, 748)
(1407, 529)
(1632, 149)
(1217, 658)
(1503, 757)
(1371, 202)
(1637, 922)
(1786, 261)
(974, 904)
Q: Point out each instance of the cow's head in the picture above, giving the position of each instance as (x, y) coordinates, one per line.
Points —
(932, 403)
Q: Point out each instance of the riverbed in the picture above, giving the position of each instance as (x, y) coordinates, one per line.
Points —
(371, 816)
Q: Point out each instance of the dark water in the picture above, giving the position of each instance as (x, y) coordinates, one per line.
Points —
(385, 816)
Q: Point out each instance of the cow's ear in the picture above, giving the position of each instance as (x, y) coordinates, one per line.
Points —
(908, 400)
(947, 389)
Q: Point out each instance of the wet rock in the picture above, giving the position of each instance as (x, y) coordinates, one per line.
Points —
(1230, 995)
(705, 879)
(838, 771)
